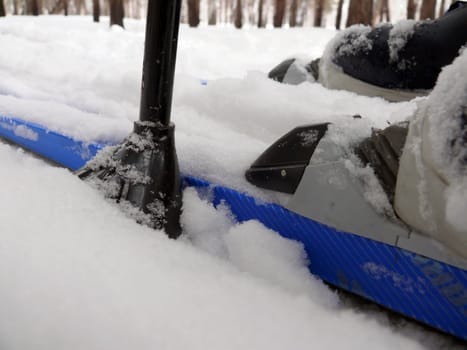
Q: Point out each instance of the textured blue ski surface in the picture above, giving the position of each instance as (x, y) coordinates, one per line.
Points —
(64, 150)
(429, 291)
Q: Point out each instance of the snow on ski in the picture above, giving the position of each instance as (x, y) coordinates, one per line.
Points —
(419, 287)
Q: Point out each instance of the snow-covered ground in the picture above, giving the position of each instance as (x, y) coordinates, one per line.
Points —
(77, 274)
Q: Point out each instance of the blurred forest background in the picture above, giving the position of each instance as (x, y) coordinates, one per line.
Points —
(242, 13)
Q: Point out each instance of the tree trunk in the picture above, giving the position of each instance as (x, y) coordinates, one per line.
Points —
(96, 10)
(339, 14)
(65, 7)
(184, 13)
(117, 13)
(106, 9)
(193, 12)
(238, 15)
(441, 8)
(212, 13)
(78, 6)
(411, 9)
(428, 9)
(319, 9)
(226, 11)
(32, 7)
(302, 12)
(2, 9)
(138, 9)
(279, 13)
(126, 8)
(261, 23)
(293, 13)
(384, 11)
(360, 12)
(251, 12)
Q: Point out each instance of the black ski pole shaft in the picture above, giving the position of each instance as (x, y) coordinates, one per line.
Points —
(143, 170)
(160, 52)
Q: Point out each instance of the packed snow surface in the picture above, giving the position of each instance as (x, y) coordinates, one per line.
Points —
(77, 274)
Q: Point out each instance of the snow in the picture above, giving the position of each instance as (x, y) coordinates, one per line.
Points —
(21, 131)
(399, 34)
(447, 109)
(372, 190)
(350, 41)
(283, 262)
(354, 40)
(77, 274)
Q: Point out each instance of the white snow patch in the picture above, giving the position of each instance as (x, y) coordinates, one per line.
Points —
(350, 41)
(353, 41)
(405, 283)
(21, 131)
(26, 133)
(252, 248)
(263, 253)
(347, 42)
(400, 33)
(204, 225)
(309, 137)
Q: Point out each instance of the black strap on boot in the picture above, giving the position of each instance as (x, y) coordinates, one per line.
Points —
(382, 151)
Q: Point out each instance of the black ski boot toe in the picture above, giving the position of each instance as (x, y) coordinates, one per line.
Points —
(407, 56)
(294, 72)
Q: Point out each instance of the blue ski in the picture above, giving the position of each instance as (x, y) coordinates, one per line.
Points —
(424, 288)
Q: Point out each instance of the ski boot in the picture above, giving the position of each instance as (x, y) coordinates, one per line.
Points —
(397, 62)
